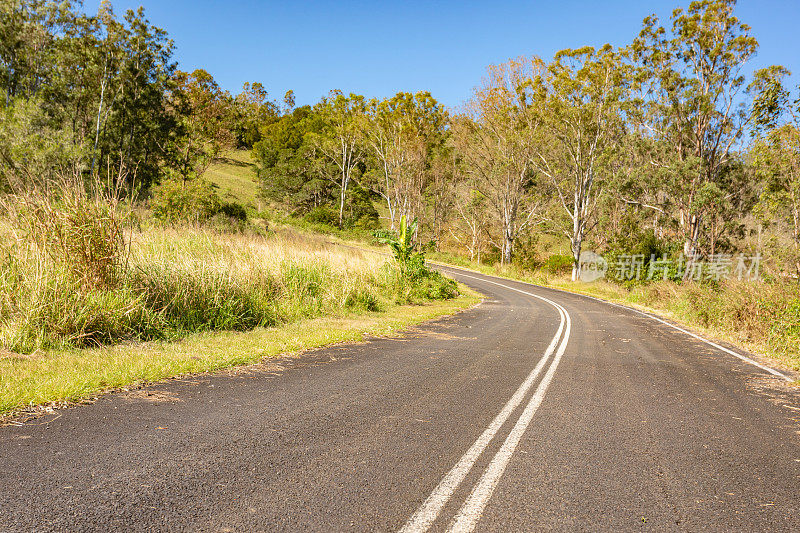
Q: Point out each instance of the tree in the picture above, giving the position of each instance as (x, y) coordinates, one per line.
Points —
(252, 110)
(579, 103)
(691, 80)
(775, 155)
(99, 84)
(206, 122)
(401, 133)
(470, 226)
(290, 166)
(495, 139)
(339, 141)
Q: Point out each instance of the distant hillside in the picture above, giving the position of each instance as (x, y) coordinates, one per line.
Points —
(235, 176)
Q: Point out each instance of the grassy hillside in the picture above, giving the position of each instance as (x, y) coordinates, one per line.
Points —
(235, 177)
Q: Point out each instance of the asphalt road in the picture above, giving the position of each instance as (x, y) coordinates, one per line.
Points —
(536, 410)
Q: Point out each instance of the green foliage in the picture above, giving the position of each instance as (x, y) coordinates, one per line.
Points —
(233, 210)
(418, 281)
(193, 201)
(427, 284)
(196, 202)
(402, 244)
(323, 215)
(252, 110)
(289, 167)
(359, 211)
(558, 264)
(99, 83)
(32, 150)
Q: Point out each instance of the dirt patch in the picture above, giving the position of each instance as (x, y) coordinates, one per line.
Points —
(154, 396)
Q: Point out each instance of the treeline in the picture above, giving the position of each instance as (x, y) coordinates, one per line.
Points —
(661, 147)
(100, 96)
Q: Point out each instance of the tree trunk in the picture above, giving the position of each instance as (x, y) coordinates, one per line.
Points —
(508, 248)
(345, 180)
(690, 244)
(577, 237)
(577, 242)
(99, 113)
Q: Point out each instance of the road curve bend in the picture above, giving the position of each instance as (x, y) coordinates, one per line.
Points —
(536, 410)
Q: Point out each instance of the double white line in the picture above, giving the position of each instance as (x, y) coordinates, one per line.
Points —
(470, 512)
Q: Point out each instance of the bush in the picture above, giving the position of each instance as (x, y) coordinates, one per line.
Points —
(324, 215)
(558, 264)
(233, 210)
(192, 201)
(417, 281)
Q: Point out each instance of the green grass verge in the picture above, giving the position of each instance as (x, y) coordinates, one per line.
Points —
(79, 374)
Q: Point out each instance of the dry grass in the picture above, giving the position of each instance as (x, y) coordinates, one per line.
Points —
(86, 304)
(72, 276)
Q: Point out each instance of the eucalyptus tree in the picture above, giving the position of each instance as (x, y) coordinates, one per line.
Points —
(775, 156)
(580, 104)
(470, 226)
(252, 110)
(496, 141)
(692, 85)
(340, 140)
(401, 133)
(206, 120)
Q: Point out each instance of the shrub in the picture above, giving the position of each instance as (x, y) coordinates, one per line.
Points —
(558, 264)
(322, 215)
(417, 281)
(233, 210)
(191, 201)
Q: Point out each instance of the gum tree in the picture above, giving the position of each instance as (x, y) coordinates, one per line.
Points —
(496, 141)
(691, 81)
(579, 103)
(340, 141)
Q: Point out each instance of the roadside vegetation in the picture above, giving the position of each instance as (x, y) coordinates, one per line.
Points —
(74, 275)
(140, 203)
(73, 375)
(77, 275)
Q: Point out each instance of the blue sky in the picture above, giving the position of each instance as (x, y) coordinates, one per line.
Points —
(379, 48)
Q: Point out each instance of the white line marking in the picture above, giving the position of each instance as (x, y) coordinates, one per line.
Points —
(698, 337)
(467, 518)
(427, 513)
(694, 335)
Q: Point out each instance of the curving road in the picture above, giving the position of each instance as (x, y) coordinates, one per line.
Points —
(536, 410)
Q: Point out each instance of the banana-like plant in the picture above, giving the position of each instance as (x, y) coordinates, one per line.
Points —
(402, 244)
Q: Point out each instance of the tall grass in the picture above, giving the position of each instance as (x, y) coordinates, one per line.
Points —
(72, 276)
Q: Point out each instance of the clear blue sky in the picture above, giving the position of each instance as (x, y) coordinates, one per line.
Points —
(378, 48)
